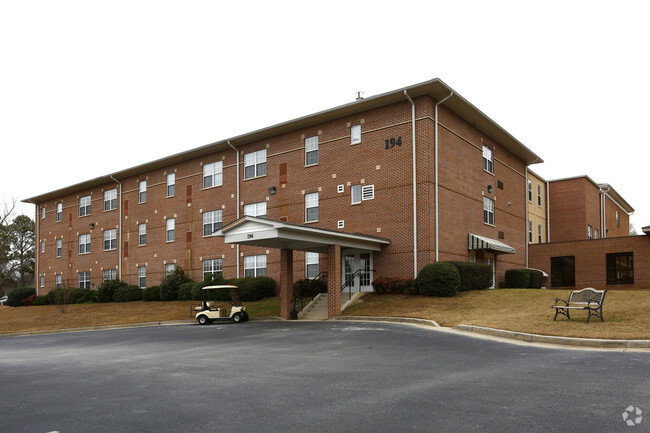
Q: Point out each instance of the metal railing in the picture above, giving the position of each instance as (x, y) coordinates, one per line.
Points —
(298, 298)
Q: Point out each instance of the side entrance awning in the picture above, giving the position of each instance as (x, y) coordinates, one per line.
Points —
(476, 242)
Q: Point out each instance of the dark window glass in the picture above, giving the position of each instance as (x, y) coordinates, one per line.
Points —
(620, 268)
(563, 271)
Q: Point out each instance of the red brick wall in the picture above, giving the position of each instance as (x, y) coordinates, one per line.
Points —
(567, 209)
(614, 230)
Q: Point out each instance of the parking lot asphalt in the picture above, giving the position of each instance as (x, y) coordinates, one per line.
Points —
(311, 377)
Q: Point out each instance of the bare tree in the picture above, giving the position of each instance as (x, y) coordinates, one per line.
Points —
(16, 248)
(633, 231)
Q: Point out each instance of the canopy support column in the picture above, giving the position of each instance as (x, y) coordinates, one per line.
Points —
(286, 282)
(333, 280)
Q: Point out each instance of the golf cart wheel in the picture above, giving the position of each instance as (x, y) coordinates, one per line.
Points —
(237, 318)
(245, 314)
(203, 320)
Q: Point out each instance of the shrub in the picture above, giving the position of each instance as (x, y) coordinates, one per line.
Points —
(536, 278)
(396, 286)
(89, 297)
(171, 283)
(42, 300)
(474, 276)
(29, 300)
(16, 296)
(518, 278)
(127, 294)
(151, 294)
(107, 288)
(309, 288)
(438, 279)
(253, 288)
(66, 296)
(185, 291)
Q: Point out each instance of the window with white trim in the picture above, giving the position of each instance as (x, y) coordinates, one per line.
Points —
(311, 207)
(171, 184)
(142, 191)
(311, 150)
(142, 277)
(618, 220)
(170, 226)
(110, 239)
(84, 243)
(42, 247)
(212, 267)
(530, 231)
(355, 134)
(212, 221)
(539, 195)
(59, 212)
(110, 199)
(256, 209)
(84, 280)
(255, 266)
(488, 211)
(170, 268)
(42, 280)
(539, 233)
(58, 283)
(109, 274)
(355, 192)
(213, 174)
(530, 190)
(255, 164)
(142, 234)
(589, 235)
(311, 265)
(59, 247)
(488, 163)
(84, 206)
(596, 234)
(42, 213)
(362, 192)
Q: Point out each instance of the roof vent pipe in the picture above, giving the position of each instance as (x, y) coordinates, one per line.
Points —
(359, 96)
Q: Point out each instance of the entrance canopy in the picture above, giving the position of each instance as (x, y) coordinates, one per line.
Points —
(262, 232)
(476, 242)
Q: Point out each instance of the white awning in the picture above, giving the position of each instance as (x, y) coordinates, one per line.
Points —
(476, 242)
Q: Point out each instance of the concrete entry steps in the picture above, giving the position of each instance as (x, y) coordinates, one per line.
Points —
(316, 309)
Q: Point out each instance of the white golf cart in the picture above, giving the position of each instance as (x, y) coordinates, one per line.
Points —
(209, 311)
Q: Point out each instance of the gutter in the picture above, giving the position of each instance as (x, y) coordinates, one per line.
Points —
(238, 205)
(37, 251)
(526, 220)
(119, 245)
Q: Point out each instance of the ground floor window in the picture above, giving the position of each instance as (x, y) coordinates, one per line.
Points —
(255, 266)
(170, 268)
(563, 271)
(109, 274)
(57, 281)
(620, 268)
(311, 265)
(142, 277)
(84, 280)
(212, 267)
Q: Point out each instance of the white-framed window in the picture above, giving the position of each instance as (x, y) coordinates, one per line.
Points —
(42, 213)
(109, 274)
(255, 266)
(213, 174)
(355, 134)
(42, 280)
(142, 277)
(311, 150)
(58, 283)
(42, 247)
(171, 184)
(362, 192)
(539, 233)
(84, 206)
(589, 233)
(170, 268)
(596, 234)
(311, 207)
(213, 267)
(256, 209)
(59, 212)
(59, 247)
(488, 211)
(255, 164)
(110, 199)
(311, 265)
(170, 226)
(530, 231)
(618, 220)
(539, 195)
(355, 192)
(142, 191)
(212, 221)
(488, 163)
(142, 234)
(110, 239)
(84, 243)
(530, 190)
(84, 280)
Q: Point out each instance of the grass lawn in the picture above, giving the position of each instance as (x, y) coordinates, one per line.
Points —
(47, 317)
(626, 312)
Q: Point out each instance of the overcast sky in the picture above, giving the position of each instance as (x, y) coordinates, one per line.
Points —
(88, 88)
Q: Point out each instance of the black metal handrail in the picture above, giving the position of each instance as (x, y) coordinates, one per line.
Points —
(349, 281)
(298, 299)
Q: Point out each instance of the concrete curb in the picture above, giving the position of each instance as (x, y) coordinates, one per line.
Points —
(409, 320)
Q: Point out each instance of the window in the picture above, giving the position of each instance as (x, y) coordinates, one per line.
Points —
(620, 268)
(142, 191)
(355, 134)
(530, 232)
(57, 282)
(311, 207)
(539, 233)
(59, 247)
(59, 212)
(42, 247)
(84, 243)
(256, 209)
(488, 211)
(596, 234)
(487, 159)
(110, 199)
(618, 220)
(255, 266)
(530, 190)
(142, 277)
(84, 206)
(42, 280)
(110, 239)
(170, 268)
(84, 280)
(589, 235)
(359, 193)
(255, 164)
(214, 267)
(355, 192)
(311, 265)
(563, 271)
(42, 213)
(311, 150)
(213, 174)
(171, 184)
(170, 225)
(109, 274)
(142, 234)
(539, 195)
(212, 222)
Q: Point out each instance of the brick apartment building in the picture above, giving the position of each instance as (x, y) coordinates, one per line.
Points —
(342, 182)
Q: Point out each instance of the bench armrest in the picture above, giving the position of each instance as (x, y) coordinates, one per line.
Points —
(561, 300)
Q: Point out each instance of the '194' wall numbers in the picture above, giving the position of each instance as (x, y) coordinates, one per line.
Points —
(392, 142)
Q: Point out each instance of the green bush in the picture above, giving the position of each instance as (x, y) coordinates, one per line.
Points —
(16, 297)
(397, 286)
(309, 288)
(66, 296)
(127, 294)
(42, 300)
(29, 300)
(151, 294)
(107, 288)
(474, 276)
(90, 297)
(518, 278)
(253, 288)
(438, 279)
(536, 278)
(171, 283)
(185, 291)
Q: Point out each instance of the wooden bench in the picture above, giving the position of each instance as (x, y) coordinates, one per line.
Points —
(586, 299)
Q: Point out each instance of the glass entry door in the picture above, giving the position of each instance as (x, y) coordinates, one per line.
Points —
(357, 271)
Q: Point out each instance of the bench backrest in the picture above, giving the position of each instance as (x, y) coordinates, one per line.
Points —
(588, 294)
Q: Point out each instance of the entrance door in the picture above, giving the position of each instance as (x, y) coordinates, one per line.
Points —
(490, 260)
(357, 271)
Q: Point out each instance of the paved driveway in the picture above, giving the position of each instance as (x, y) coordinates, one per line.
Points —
(311, 377)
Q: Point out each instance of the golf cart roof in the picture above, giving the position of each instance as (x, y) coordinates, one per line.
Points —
(220, 286)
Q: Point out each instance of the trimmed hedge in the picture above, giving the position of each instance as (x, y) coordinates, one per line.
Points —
(438, 279)
(536, 279)
(90, 297)
(151, 294)
(127, 294)
(253, 288)
(309, 288)
(16, 297)
(474, 276)
(42, 300)
(107, 288)
(171, 283)
(396, 286)
(185, 291)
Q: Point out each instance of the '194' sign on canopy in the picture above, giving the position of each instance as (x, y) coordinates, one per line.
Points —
(392, 142)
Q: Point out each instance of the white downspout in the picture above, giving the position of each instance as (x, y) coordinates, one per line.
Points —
(548, 213)
(436, 168)
(237, 152)
(415, 199)
(119, 245)
(526, 220)
(37, 251)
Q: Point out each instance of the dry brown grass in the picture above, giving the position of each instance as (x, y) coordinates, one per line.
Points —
(49, 317)
(626, 312)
